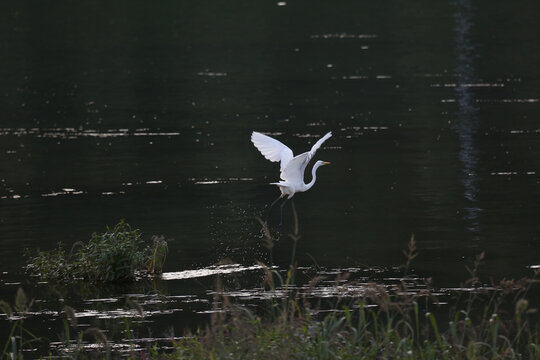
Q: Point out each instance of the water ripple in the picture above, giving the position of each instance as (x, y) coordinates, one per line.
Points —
(72, 133)
(207, 181)
(343, 36)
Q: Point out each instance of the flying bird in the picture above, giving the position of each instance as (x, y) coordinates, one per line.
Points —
(292, 167)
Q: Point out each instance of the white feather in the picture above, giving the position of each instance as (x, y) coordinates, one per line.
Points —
(292, 167)
(272, 149)
(293, 172)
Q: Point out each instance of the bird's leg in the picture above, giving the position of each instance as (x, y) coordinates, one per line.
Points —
(270, 209)
(281, 215)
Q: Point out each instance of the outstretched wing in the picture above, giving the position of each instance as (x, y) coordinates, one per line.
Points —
(272, 149)
(294, 171)
(319, 142)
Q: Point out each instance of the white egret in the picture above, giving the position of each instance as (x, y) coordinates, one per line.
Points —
(292, 167)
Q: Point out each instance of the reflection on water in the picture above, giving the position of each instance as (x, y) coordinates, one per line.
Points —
(218, 180)
(64, 191)
(214, 270)
(467, 116)
(72, 133)
(344, 36)
(506, 173)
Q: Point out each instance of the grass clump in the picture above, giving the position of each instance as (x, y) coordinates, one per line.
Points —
(118, 254)
(382, 322)
(19, 337)
(364, 333)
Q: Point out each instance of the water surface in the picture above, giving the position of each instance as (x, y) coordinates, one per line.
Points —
(143, 112)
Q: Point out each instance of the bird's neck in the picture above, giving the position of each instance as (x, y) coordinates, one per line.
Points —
(313, 179)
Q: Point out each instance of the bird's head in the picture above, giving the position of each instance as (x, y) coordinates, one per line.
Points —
(321, 163)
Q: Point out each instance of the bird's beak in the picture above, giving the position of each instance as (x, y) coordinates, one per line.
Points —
(326, 162)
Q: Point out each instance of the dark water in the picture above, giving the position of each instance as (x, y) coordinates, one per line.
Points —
(143, 111)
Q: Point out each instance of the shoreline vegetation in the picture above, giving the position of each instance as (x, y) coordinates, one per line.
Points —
(118, 254)
(381, 322)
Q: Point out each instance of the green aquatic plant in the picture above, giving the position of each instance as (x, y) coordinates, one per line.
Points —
(114, 255)
(158, 255)
(50, 265)
(118, 254)
(19, 338)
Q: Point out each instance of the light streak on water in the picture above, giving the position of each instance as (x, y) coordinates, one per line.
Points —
(209, 271)
(72, 133)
